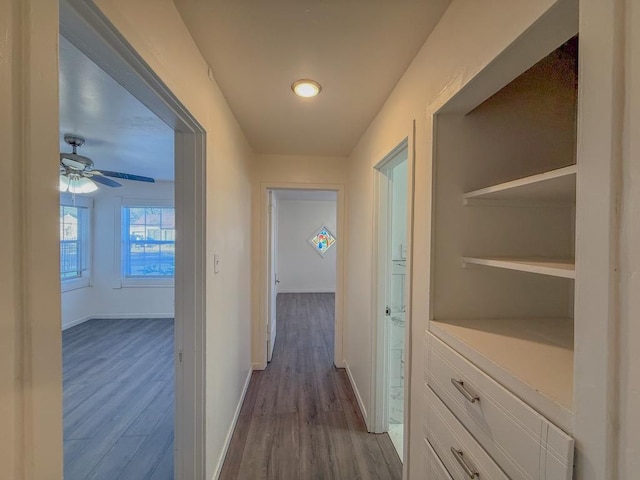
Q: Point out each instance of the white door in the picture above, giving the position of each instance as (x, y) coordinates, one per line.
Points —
(273, 275)
(391, 195)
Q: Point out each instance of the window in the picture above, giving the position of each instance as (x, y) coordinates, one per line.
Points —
(74, 242)
(149, 242)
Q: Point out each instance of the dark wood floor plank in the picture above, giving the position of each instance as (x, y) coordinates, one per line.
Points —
(255, 460)
(154, 412)
(341, 455)
(164, 470)
(127, 401)
(151, 452)
(300, 418)
(114, 462)
(118, 399)
(285, 460)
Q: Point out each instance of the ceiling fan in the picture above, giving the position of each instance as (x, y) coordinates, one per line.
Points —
(78, 176)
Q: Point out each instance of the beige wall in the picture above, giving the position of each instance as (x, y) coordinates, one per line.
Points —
(286, 171)
(469, 36)
(156, 31)
(30, 335)
(628, 357)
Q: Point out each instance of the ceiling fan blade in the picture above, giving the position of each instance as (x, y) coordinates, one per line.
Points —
(127, 176)
(105, 181)
(69, 162)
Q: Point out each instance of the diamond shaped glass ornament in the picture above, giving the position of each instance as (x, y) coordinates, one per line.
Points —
(322, 240)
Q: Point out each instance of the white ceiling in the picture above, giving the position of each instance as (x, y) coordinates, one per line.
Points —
(357, 50)
(121, 134)
(307, 195)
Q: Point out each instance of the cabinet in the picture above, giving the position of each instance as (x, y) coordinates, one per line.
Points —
(503, 263)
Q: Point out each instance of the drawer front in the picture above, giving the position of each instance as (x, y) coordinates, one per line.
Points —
(433, 467)
(462, 456)
(523, 442)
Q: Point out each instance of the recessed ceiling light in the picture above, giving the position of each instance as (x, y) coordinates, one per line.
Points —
(306, 88)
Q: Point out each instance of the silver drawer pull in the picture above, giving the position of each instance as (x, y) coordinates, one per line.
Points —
(459, 384)
(471, 473)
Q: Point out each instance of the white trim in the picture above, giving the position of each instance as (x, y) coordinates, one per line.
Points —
(120, 280)
(356, 392)
(408, 314)
(380, 273)
(83, 23)
(75, 284)
(115, 316)
(379, 296)
(307, 290)
(132, 316)
(77, 321)
(232, 427)
(593, 429)
(262, 309)
(86, 277)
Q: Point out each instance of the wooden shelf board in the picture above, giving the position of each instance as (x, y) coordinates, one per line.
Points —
(552, 186)
(565, 268)
(531, 357)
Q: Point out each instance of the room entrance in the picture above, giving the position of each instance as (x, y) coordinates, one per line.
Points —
(157, 241)
(391, 295)
(302, 254)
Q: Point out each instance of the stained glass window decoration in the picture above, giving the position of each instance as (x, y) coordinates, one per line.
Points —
(322, 240)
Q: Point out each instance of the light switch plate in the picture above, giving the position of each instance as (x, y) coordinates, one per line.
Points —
(216, 263)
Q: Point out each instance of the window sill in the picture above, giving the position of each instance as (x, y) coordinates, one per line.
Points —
(147, 283)
(74, 284)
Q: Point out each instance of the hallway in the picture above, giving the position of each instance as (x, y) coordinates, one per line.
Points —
(300, 418)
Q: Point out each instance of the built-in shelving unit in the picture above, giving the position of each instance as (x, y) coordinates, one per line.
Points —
(564, 268)
(532, 357)
(557, 185)
(503, 263)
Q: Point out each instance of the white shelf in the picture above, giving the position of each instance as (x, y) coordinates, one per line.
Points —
(565, 268)
(555, 186)
(532, 357)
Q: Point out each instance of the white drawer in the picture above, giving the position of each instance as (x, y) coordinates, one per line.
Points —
(462, 456)
(433, 467)
(523, 442)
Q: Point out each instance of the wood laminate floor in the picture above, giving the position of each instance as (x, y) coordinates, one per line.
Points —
(118, 400)
(300, 418)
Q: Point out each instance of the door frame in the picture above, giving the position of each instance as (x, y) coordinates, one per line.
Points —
(272, 294)
(263, 305)
(87, 28)
(380, 265)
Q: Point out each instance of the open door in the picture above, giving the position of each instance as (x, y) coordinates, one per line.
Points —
(273, 275)
(391, 200)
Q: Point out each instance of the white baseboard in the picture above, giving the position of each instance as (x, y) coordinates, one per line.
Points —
(357, 393)
(115, 316)
(236, 415)
(258, 366)
(131, 316)
(77, 321)
(306, 290)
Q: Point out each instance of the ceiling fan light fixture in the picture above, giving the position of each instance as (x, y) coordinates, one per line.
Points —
(306, 88)
(82, 185)
(64, 183)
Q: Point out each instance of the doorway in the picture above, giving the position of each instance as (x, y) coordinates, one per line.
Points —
(269, 288)
(117, 236)
(391, 295)
(302, 249)
(83, 24)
